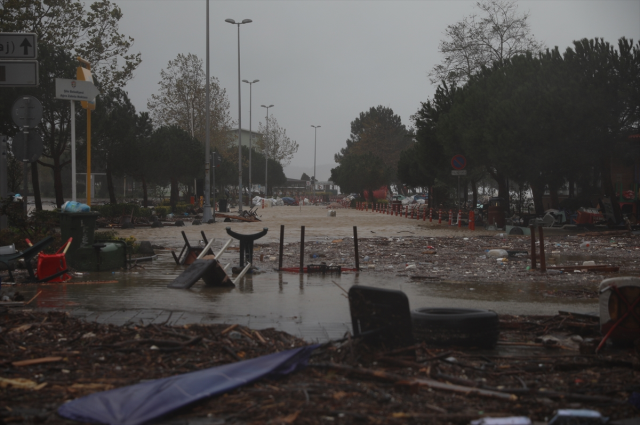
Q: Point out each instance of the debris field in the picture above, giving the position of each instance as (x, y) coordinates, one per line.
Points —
(432, 260)
(541, 363)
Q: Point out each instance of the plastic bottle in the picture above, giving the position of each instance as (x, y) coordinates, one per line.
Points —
(585, 245)
(497, 253)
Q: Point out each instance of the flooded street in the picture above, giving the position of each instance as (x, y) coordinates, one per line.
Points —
(312, 307)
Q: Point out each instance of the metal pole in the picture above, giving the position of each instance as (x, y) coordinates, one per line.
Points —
(302, 249)
(89, 186)
(281, 246)
(4, 184)
(250, 135)
(239, 131)
(266, 157)
(206, 210)
(73, 151)
(355, 246)
(543, 265)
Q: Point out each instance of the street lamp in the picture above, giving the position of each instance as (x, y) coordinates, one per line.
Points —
(244, 21)
(250, 132)
(315, 130)
(266, 152)
(206, 211)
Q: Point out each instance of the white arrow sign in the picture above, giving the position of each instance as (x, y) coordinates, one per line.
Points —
(75, 90)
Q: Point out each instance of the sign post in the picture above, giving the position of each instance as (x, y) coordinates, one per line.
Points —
(21, 68)
(84, 74)
(458, 162)
(73, 90)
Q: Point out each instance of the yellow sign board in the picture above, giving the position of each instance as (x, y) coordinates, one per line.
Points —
(83, 74)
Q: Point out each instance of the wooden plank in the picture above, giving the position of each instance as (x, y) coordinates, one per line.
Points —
(31, 362)
(235, 217)
(603, 268)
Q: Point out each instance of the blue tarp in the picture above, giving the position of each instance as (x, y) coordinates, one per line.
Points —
(142, 402)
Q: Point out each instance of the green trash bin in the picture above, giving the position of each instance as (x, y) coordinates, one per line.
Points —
(86, 253)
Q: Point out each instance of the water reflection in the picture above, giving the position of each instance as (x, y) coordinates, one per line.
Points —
(316, 307)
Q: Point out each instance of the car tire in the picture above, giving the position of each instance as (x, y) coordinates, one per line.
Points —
(456, 326)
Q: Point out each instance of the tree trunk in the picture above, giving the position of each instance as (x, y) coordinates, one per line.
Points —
(571, 189)
(174, 194)
(145, 199)
(553, 193)
(110, 188)
(537, 190)
(474, 189)
(607, 186)
(36, 186)
(503, 190)
(57, 181)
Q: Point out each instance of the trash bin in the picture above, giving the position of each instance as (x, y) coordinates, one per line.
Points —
(496, 213)
(86, 253)
(222, 205)
(396, 206)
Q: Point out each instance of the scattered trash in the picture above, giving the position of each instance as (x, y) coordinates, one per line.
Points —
(584, 245)
(513, 420)
(74, 207)
(497, 253)
(577, 416)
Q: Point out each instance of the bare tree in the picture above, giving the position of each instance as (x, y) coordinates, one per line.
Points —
(496, 34)
(181, 101)
(277, 144)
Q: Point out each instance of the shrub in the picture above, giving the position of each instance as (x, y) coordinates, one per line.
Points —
(117, 210)
(162, 211)
(112, 235)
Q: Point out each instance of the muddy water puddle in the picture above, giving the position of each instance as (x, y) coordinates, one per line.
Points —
(314, 307)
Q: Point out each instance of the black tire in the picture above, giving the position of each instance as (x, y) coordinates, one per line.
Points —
(456, 326)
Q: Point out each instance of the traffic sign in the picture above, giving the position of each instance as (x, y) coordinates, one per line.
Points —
(75, 90)
(458, 172)
(18, 73)
(26, 111)
(458, 162)
(16, 45)
(29, 151)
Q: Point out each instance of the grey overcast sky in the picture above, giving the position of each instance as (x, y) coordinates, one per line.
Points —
(324, 62)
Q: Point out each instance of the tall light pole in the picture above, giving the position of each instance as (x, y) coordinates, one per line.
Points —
(250, 131)
(315, 139)
(244, 21)
(206, 212)
(266, 152)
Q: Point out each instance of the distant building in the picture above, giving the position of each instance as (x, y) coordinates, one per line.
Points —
(245, 135)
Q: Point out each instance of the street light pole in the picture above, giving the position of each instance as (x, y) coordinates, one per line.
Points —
(206, 211)
(250, 130)
(315, 130)
(244, 21)
(266, 151)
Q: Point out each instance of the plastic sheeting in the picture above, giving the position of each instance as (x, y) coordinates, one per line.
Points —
(143, 402)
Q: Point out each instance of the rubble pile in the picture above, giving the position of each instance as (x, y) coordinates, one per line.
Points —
(541, 364)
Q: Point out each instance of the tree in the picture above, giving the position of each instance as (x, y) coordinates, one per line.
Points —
(360, 173)
(65, 30)
(176, 157)
(380, 132)
(114, 128)
(497, 34)
(182, 102)
(276, 142)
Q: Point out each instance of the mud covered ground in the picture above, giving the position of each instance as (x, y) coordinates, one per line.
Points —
(346, 382)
